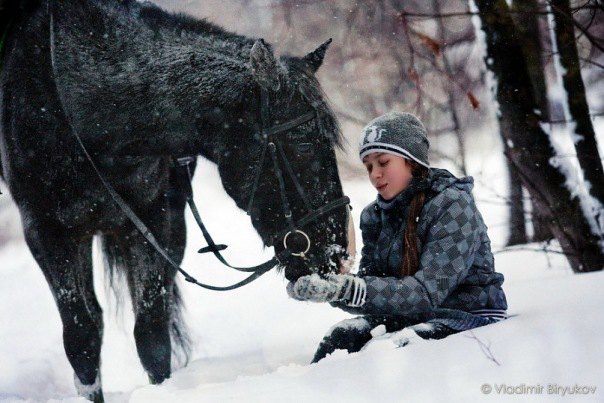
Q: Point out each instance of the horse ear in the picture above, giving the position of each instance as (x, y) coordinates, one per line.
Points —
(265, 66)
(314, 59)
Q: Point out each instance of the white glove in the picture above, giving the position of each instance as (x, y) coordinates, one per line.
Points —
(335, 287)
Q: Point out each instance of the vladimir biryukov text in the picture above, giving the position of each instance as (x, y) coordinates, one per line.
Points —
(550, 389)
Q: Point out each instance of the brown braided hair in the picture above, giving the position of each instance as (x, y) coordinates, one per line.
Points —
(411, 254)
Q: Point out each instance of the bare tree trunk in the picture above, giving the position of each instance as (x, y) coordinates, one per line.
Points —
(527, 24)
(586, 146)
(517, 223)
(527, 146)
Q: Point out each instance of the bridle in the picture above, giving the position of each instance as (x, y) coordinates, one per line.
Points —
(271, 144)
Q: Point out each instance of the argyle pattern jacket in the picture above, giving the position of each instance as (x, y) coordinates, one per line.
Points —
(456, 267)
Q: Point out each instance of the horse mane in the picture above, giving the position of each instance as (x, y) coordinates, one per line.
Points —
(155, 16)
(311, 90)
(181, 24)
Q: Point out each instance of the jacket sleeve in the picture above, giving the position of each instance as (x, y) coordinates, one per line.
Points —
(369, 224)
(452, 236)
(370, 229)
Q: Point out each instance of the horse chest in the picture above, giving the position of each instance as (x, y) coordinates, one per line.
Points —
(79, 201)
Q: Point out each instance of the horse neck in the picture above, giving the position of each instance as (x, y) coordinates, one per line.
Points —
(166, 79)
(196, 70)
(197, 77)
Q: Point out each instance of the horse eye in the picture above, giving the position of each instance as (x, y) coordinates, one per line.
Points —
(304, 148)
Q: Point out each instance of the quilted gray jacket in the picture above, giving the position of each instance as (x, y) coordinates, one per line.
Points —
(456, 267)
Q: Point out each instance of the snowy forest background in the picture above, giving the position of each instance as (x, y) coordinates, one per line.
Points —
(529, 126)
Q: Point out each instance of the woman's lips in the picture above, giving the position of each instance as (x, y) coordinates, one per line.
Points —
(381, 187)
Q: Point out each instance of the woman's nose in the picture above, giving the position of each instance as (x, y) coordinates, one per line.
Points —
(376, 172)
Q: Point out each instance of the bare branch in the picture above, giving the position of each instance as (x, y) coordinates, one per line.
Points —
(543, 249)
(584, 30)
(486, 349)
(593, 40)
(471, 13)
(589, 61)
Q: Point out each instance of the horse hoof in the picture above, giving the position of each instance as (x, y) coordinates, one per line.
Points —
(157, 379)
(93, 392)
(97, 397)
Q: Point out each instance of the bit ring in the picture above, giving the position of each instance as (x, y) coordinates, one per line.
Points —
(301, 254)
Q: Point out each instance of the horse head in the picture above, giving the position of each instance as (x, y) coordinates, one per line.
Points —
(290, 184)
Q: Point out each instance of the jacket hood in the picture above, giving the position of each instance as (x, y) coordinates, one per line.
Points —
(443, 179)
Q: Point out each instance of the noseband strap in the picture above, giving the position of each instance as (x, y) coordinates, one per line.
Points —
(268, 132)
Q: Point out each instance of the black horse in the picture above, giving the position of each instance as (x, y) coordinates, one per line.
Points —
(139, 86)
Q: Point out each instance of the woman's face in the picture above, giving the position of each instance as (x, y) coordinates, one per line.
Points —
(390, 174)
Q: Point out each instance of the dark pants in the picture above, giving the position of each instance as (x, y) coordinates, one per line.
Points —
(353, 334)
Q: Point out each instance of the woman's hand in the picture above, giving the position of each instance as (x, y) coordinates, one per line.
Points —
(335, 287)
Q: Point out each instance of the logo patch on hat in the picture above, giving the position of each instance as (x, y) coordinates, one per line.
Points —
(397, 133)
(373, 134)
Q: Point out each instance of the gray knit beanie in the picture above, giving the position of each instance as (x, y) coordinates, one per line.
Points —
(396, 133)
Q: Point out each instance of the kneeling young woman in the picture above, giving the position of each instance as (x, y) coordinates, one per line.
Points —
(426, 261)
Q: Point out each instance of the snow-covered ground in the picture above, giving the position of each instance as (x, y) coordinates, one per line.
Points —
(254, 344)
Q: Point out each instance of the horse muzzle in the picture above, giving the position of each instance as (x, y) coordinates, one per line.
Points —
(332, 258)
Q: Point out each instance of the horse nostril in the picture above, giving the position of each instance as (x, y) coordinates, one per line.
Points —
(290, 276)
(293, 275)
(295, 269)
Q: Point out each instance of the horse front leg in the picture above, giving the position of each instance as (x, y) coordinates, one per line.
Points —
(67, 265)
(155, 296)
(150, 284)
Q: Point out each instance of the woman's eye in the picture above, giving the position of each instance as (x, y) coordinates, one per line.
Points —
(383, 163)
